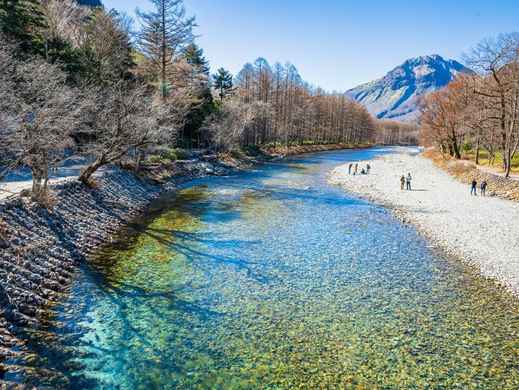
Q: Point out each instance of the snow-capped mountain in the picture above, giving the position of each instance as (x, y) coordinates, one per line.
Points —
(396, 96)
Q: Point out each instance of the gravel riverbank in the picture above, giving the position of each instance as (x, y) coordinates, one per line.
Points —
(481, 230)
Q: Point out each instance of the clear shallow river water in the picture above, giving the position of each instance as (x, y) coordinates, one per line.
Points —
(274, 279)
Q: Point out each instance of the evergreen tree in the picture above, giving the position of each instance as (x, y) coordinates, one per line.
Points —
(20, 21)
(166, 31)
(107, 49)
(194, 56)
(200, 88)
(223, 82)
(90, 3)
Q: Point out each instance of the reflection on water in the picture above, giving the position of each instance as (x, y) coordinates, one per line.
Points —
(273, 279)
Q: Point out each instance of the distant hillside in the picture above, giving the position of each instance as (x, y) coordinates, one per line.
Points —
(396, 96)
(91, 3)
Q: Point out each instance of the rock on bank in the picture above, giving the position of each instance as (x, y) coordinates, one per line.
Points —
(46, 247)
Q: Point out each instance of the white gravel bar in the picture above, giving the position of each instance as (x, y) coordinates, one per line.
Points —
(484, 231)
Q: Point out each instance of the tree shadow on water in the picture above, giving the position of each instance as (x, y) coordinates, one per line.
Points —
(188, 245)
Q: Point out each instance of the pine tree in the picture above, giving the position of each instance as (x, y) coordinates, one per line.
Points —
(166, 31)
(198, 80)
(20, 21)
(223, 82)
(90, 3)
(194, 56)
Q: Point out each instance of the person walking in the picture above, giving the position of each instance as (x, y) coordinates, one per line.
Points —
(349, 168)
(483, 188)
(474, 188)
(408, 180)
(402, 182)
(356, 169)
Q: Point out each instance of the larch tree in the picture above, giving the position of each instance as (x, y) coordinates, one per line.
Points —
(275, 106)
(166, 31)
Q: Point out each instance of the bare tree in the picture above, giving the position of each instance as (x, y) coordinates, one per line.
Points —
(107, 36)
(497, 60)
(120, 120)
(446, 116)
(229, 124)
(166, 30)
(394, 133)
(287, 110)
(65, 20)
(39, 111)
(280, 108)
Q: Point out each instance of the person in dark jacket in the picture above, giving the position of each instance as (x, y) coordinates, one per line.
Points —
(483, 188)
(474, 188)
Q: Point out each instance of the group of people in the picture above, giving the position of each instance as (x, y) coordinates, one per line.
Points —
(355, 169)
(405, 182)
(474, 188)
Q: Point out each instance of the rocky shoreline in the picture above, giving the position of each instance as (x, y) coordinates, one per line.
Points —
(481, 231)
(43, 248)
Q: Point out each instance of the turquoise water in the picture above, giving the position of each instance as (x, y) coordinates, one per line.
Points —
(273, 279)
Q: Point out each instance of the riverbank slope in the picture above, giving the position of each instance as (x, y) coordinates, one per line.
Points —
(42, 248)
(480, 230)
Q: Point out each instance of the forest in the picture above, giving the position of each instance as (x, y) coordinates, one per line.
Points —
(477, 115)
(79, 80)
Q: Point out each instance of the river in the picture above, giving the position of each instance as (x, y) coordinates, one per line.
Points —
(274, 279)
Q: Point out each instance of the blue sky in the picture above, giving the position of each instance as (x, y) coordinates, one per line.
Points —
(339, 44)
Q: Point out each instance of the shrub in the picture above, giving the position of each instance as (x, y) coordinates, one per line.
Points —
(170, 154)
(182, 154)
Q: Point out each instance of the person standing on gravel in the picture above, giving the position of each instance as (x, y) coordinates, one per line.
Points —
(474, 188)
(349, 168)
(356, 169)
(408, 181)
(483, 188)
(368, 168)
(402, 182)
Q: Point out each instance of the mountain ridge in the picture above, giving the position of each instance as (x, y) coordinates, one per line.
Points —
(397, 95)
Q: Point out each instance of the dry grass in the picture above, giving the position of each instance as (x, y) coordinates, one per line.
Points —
(460, 168)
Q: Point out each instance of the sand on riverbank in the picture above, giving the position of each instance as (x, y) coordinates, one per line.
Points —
(482, 231)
